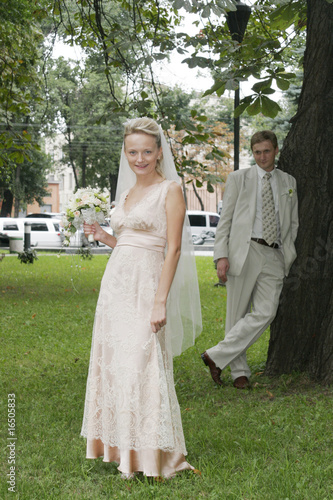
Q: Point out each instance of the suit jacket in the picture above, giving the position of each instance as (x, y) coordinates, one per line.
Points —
(233, 233)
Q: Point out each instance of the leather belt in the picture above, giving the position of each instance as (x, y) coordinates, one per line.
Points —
(263, 242)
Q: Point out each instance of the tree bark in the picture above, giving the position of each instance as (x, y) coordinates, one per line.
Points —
(84, 165)
(17, 200)
(197, 195)
(113, 186)
(7, 203)
(302, 333)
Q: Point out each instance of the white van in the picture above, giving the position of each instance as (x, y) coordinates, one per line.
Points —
(203, 222)
(45, 233)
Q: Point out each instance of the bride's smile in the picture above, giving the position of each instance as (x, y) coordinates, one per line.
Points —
(142, 153)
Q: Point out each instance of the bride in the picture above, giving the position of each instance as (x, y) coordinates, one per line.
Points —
(148, 310)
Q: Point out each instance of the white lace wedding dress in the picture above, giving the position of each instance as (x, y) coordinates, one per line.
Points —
(131, 412)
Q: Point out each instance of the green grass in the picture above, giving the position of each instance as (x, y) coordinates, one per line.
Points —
(273, 442)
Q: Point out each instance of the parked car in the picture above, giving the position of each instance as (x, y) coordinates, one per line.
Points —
(45, 232)
(45, 215)
(203, 222)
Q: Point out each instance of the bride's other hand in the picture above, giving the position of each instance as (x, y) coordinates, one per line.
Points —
(158, 317)
(94, 229)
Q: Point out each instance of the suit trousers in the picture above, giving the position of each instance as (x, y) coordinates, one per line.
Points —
(252, 302)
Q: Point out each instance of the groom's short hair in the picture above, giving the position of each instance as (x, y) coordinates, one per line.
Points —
(264, 135)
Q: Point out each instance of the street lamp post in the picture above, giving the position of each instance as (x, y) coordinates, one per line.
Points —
(237, 21)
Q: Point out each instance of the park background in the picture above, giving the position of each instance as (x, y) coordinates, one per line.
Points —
(273, 441)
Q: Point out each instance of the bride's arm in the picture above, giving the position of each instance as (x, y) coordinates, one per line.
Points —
(99, 234)
(175, 212)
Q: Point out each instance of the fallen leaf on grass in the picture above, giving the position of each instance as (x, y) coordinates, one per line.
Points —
(33, 316)
(270, 394)
(197, 471)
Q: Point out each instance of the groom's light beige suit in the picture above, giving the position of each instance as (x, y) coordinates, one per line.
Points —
(256, 272)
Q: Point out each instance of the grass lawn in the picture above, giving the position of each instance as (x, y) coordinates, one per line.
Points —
(273, 442)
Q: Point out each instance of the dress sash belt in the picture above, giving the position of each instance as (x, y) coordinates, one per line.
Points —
(141, 239)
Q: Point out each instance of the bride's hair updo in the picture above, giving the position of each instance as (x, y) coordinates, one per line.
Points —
(145, 126)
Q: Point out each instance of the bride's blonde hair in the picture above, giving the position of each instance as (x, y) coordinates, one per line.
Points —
(145, 126)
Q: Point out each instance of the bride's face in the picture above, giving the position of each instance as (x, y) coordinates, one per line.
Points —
(142, 153)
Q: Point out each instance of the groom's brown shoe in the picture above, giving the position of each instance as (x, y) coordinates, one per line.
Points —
(241, 382)
(214, 370)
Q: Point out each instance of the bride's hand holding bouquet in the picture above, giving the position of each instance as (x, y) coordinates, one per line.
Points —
(93, 230)
(87, 206)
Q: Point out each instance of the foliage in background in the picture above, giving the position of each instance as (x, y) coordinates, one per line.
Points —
(22, 161)
(273, 43)
(132, 37)
(21, 38)
(28, 256)
(122, 42)
(78, 110)
(281, 124)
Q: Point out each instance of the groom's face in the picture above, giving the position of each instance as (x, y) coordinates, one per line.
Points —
(264, 154)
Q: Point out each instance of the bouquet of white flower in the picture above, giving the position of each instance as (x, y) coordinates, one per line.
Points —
(87, 205)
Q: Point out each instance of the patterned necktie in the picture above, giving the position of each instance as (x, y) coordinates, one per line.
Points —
(269, 232)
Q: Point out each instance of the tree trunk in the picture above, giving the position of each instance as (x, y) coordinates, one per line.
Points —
(17, 200)
(113, 186)
(197, 195)
(7, 204)
(302, 333)
(84, 165)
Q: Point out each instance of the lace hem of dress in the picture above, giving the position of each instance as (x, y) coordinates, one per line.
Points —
(151, 462)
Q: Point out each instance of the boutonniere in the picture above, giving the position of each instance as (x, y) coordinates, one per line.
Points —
(291, 192)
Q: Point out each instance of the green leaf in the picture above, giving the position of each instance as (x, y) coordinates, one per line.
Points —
(218, 87)
(255, 107)
(189, 139)
(268, 107)
(206, 12)
(268, 91)
(178, 4)
(259, 86)
(17, 157)
(240, 109)
(210, 188)
(282, 83)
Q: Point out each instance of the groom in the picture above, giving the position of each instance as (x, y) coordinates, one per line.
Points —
(254, 249)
